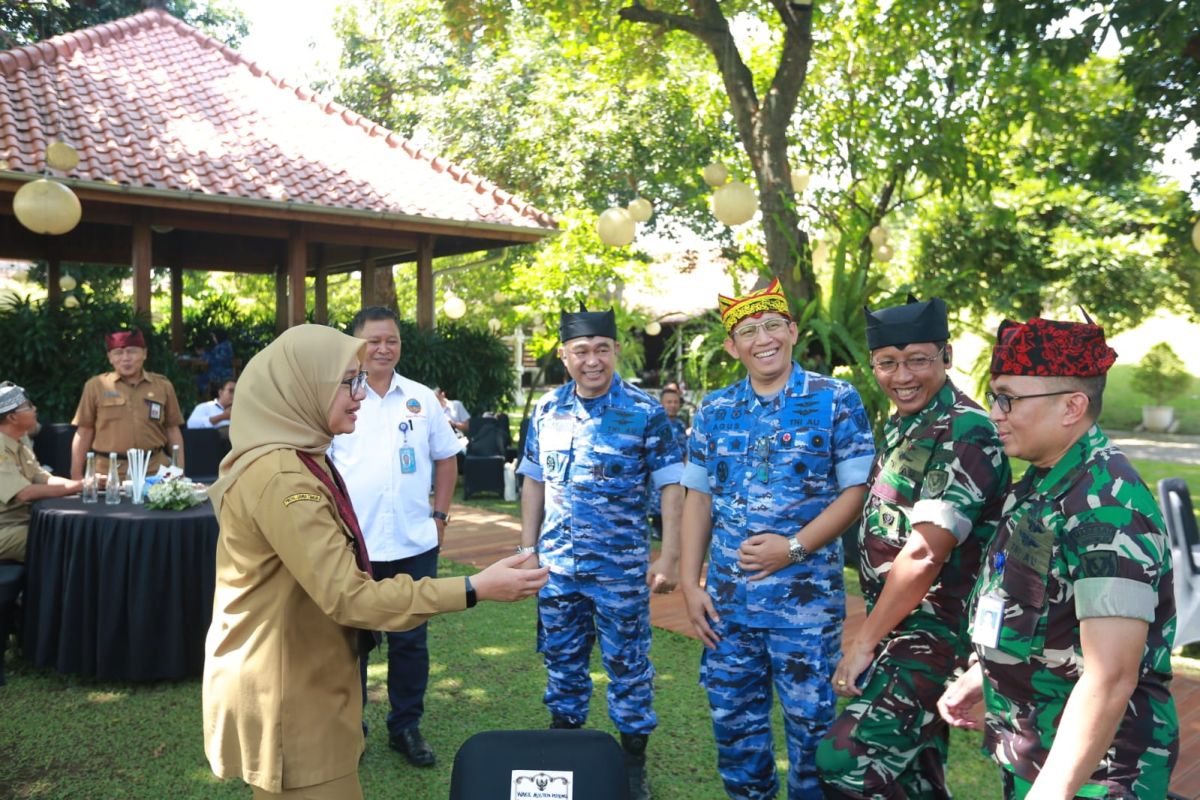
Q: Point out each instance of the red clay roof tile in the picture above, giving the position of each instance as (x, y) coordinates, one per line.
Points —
(151, 102)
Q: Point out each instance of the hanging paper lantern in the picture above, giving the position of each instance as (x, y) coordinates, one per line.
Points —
(800, 178)
(70, 302)
(45, 206)
(716, 174)
(494, 325)
(1196, 235)
(62, 156)
(641, 209)
(879, 235)
(883, 253)
(820, 254)
(734, 203)
(616, 227)
(454, 307)
(653, 328)
(696, 343)
(66, 283)
(499, 298)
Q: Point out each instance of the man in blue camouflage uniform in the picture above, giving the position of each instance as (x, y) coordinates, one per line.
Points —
(936, 491)
(591, 446)
(672, 401)
(775, 473)
(1074, 615)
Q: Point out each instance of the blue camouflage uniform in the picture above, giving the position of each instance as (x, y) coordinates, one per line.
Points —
(772, 467)
(654, 495)
(594, 455)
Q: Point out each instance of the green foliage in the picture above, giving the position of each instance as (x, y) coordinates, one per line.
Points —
(56, 350)
(1161, 375)
(471, 365)
(23, 23)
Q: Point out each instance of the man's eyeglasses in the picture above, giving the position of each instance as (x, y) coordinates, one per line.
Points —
(357, 385)
(749, 332)
(913, 364)
(1004, 401)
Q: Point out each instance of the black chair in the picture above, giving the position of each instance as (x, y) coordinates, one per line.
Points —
(203, 449)
(12, 581)
(483, 465)
(484, 765)
(52, 446)
(1180, 519)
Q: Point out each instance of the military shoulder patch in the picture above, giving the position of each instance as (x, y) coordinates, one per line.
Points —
(1091, 534)
(296, 498)
(1100, 564)
(935, 482)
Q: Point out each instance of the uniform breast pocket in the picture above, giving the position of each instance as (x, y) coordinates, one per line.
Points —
(802, 456)
(1024, 630)
(111, 408)
(726, 455)
(617, 475)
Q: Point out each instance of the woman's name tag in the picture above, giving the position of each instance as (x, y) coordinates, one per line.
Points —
(989, 619)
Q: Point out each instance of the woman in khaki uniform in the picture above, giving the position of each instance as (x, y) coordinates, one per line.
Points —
(282, 702)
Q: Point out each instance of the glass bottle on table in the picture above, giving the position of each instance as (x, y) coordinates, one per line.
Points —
(91, 493)
(174, 455)
(112, 490)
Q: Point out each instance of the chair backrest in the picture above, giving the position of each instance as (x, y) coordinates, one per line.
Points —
(52, 446)
(203, 449)
(485, 437)
(484, 766)
(1176, 502)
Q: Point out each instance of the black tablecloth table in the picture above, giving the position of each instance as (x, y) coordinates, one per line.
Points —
(119, 592)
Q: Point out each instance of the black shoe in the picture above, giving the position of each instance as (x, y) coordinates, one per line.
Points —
(414, 747)
(634, 745)
(561, 724)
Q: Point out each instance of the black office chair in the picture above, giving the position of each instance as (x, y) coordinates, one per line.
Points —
(203, 449)
(1180, 519)
(12, 581)
(593, 761)
(483, 465)
(52, 446)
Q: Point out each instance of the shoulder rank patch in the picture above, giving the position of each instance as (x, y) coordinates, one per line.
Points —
(296, 498)
(936, 482)
(1092, 534)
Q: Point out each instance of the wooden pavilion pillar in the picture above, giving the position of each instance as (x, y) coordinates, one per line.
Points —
(425, 317)
(297, 268)
(142, 257)
(176, 307)
(281, 299)
(53, 290)
(366, 271)
(320, 287)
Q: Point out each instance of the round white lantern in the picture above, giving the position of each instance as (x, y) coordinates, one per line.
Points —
(454, 307)
(45, 206)
(62, 156)
(616, 227)
(800, 178)
(641, 209)
(716, 174)
(1196, 235)
(66, 283)
(70, 302)
(499, 298)
(820, 254)
(883, 253)
(734, 203)
(878, 235)
(494, 325)
(653, 328)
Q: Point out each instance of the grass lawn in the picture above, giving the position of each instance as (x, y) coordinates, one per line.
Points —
(1123, 406)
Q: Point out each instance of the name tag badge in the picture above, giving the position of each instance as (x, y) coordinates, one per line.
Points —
(155, 410)
(989, 619)
(408, 460)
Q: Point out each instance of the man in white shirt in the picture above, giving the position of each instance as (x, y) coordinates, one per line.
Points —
(214, 413)
(456, 412)
(402, 442)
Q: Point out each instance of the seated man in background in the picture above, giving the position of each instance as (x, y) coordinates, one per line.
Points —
(456, 412)
(22, 479)
(126, 408)
(214, 413)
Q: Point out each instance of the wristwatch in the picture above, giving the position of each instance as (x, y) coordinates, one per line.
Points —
(797, 553)
(472, 598)
(526, 549)
(444, 517)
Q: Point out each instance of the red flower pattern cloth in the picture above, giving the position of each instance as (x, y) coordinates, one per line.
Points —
(1049, 348)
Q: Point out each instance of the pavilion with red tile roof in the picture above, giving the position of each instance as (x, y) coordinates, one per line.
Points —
(194, 157)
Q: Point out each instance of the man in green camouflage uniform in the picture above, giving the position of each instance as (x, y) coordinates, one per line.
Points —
(1079, 573)
(936, 492)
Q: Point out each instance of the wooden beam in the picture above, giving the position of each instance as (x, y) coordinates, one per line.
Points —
(425, 316)
(176, 308)
(53, 292)
(320, 287)
(297, 267)
(281, 299)
(366, 278)
(141, 258)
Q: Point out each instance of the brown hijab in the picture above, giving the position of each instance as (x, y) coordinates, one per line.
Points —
(284, 396)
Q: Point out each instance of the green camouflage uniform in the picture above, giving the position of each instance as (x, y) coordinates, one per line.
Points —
(1081, 539)
(942, 465)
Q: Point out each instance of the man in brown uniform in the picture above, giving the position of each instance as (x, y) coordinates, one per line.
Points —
(22, 479)
(126, 408)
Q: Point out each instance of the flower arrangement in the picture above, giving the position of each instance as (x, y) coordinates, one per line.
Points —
(173, 495)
